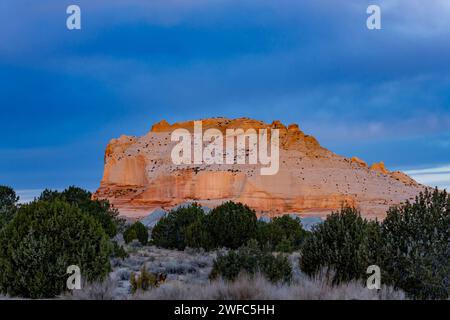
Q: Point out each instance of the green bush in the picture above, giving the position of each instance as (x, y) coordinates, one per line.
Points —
(284, 234)
(8, 204)
(42, 240)
(416, 246)
(129, 235)
(344, 243)
(118, 251)
(231, 225)
(251, 259)
(136, 231)
(141, 232)
(197, 235)
(100, 210)
(285, 245)
(171, 231)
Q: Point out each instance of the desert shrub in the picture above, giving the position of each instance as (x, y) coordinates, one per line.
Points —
(8, 204)
(42, 240)
(285, 245)
(251, 259)
(136, 231)
(129, 235)
(118, 251)
(145, 280)
(231, 225)
(170, 231)
(416, 246)
(197, 235)
(284, 234)
(141, 232)
(100, 210)
(344, 243)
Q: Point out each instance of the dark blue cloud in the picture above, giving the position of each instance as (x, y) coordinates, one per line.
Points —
(382, 95)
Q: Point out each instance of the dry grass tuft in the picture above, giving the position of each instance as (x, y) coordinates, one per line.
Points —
(258, 288)
(106, 290)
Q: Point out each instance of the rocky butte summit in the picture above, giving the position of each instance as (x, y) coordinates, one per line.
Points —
(139, 176)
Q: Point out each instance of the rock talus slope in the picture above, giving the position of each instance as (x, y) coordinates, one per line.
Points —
(139, 176)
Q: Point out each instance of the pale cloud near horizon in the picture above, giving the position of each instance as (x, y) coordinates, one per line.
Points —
(28, 195)
(433, 177)
(413, 17)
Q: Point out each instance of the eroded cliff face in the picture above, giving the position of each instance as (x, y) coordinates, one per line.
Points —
(139, 176)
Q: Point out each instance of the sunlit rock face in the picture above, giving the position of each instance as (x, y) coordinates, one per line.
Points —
(139, 176)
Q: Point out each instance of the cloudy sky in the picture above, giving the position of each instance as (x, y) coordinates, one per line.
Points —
(380, 95)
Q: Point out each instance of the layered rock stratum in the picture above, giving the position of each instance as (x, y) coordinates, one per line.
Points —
(139, 176)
